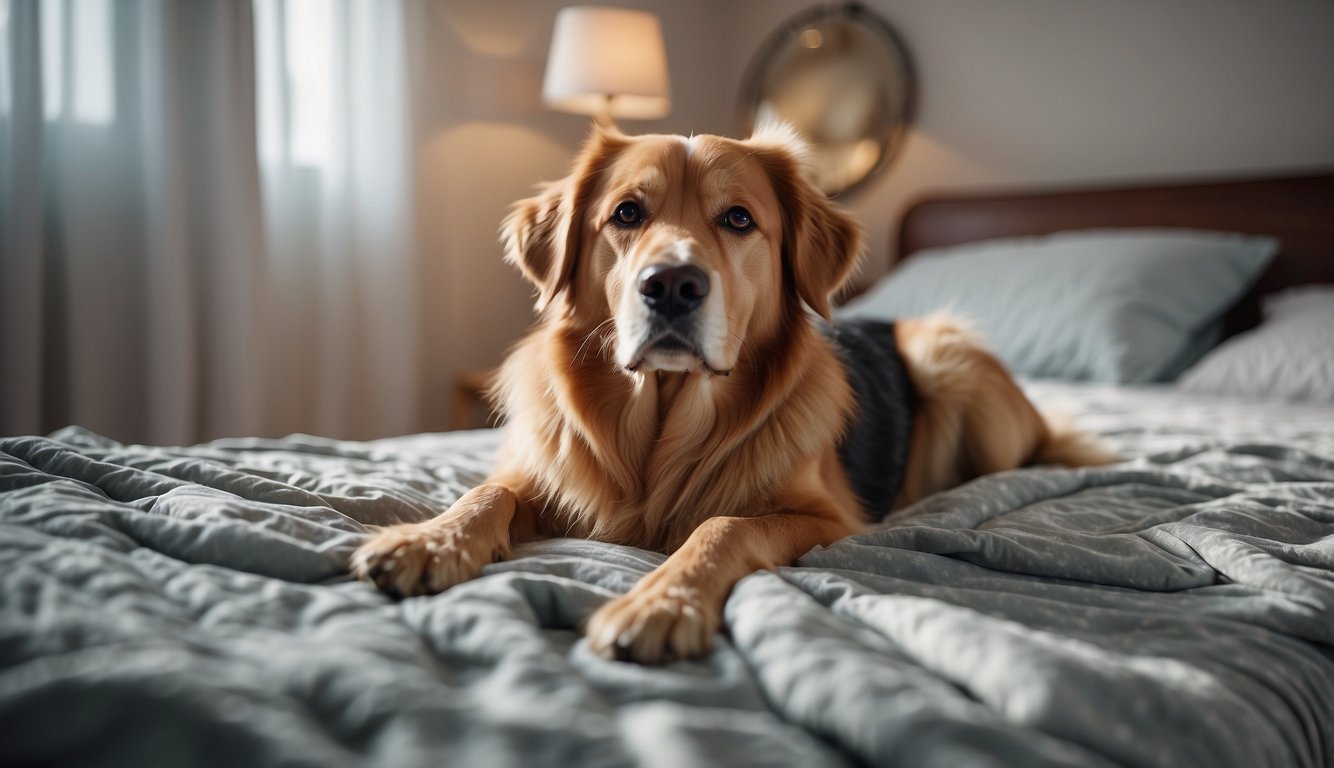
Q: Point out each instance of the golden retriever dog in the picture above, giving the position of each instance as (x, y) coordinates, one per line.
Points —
(684, 392)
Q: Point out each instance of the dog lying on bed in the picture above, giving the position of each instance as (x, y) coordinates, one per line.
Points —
(684, 391)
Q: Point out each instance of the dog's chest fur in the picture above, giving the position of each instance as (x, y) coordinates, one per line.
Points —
(643, 460)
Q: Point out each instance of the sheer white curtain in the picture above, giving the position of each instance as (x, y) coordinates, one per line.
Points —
(205, 219)
(336, 138)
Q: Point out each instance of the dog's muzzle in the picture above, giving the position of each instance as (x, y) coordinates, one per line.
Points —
(666, 336)
(673, 290)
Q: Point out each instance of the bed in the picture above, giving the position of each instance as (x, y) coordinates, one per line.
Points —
(190, 605)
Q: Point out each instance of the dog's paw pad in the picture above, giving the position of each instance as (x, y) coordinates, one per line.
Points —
(653, 627)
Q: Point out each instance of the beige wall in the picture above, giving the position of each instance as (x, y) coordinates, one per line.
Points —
(1019, 92)
(1031, 92)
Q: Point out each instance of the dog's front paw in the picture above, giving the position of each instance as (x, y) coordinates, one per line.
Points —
(654, 625)
(421, 559)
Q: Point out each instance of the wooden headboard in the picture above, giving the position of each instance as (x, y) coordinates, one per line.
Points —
(1298, 210)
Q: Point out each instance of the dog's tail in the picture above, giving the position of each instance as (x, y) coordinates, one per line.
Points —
(1068, 445)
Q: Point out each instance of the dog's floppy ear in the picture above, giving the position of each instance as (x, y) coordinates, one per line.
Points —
(821, 243)
(543, 234)
(537, 240)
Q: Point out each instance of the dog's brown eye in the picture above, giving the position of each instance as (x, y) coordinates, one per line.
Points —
(738, 219)
(627, 214)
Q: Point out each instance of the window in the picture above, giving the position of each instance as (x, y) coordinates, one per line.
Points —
(77, 60)
(5, 53)
(295, 72)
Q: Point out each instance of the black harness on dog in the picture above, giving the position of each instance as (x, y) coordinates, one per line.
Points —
(874, 449)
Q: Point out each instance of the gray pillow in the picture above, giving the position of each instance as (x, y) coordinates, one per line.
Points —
(1128, 305)
(1290, 356)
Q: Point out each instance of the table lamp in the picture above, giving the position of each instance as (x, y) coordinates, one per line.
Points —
(609, 63)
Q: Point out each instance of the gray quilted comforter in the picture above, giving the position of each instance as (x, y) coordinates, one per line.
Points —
(189, 606)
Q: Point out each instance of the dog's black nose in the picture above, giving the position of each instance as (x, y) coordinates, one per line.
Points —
(673, 289)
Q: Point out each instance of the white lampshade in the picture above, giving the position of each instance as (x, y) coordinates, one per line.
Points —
(607, 62)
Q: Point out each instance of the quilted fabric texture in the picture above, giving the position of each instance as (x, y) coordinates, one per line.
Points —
(191, 606)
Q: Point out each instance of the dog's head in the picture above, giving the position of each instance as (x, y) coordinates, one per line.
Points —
(683, 249)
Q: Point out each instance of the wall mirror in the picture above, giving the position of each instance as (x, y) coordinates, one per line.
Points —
(840, 75)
